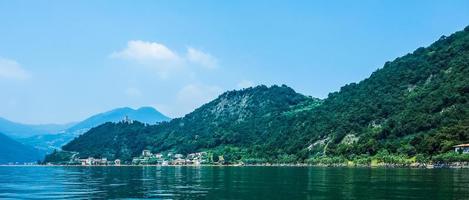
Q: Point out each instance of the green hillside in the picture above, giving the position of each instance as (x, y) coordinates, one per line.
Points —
(417, 103)
(246, 118)
(414, 105)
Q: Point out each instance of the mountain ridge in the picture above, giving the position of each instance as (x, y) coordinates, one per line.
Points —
(49, 142)
(210, 118)
(22, 130)
(144, 114)
(415, 105)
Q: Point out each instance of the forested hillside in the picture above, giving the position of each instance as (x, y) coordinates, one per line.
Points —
(414, 105)
(50, 142)
(247, 119)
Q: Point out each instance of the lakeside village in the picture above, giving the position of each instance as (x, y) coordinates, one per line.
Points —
(148, 158)
(205, 158)
(192, 159)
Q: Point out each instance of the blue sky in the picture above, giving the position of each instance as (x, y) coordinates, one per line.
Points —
(62, 61)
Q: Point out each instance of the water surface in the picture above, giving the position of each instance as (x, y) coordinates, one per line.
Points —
(232, 183)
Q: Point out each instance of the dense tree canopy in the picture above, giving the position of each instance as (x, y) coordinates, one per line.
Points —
(417, 104)
(248, 119)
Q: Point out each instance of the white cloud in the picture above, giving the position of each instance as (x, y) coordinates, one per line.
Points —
(201, 58)
(162, 59)
(178, 68)
(152, 55)
(195, 95)
(245, 84)
(133, 92)
(10, 69)
(142, 51)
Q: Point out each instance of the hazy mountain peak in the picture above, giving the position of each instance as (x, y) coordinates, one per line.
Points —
(20, 130)
(144, 114)
(48, 142)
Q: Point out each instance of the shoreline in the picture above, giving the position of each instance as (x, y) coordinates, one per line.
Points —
(392, 166)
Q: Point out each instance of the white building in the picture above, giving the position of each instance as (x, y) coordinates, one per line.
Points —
(462, 148)
(146, 153)
(158, 155)
(127, 120)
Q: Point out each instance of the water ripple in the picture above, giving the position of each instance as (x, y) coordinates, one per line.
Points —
(231, 183)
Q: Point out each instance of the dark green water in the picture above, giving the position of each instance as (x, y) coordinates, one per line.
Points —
(232, 183)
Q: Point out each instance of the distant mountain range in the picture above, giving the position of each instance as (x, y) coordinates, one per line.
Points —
(146, 115)
(19, 130)
(12, 151)
(42, 139)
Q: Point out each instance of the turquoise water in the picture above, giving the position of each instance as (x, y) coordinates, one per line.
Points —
(232, 183)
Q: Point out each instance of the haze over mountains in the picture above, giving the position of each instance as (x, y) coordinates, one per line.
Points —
(12, 151)
(19, 130)
(416, 104)
(147, 115)
(37, 140)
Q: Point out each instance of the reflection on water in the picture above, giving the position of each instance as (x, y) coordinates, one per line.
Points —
(232, 183)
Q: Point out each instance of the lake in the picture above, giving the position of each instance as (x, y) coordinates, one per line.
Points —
(206, 182)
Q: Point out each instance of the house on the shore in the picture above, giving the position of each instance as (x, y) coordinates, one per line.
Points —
(462, 148)
(92, 161)
(159, 156)
(179, 161)
(140, 161)
(148, 158)
(146, 153)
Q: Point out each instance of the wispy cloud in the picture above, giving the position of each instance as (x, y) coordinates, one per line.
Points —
(10, 69)
(179, 69)
(133, 92)
(162, 59)
(201, 58)
(142, 51)
(194, 95)
(152, 55)
(245, 84)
